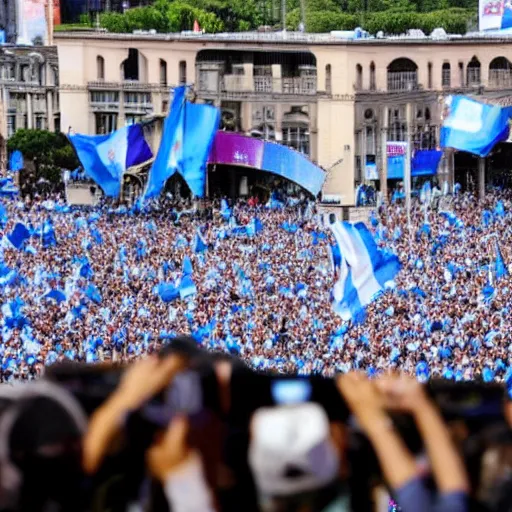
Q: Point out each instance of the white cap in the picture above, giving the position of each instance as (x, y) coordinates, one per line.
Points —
(291, 450)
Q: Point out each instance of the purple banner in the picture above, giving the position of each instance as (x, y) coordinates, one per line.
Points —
(233, 149)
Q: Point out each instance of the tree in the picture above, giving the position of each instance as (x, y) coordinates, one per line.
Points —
(50, 152)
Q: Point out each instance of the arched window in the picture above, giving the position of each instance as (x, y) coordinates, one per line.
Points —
(402, 75)
(183, 72)
(163, 72)
(500, 72)
(429, 78)
(446, 75)
(328, 78)
(473, 72)
(359, 77)
(100, 67)
(295, 127)
(373, 83)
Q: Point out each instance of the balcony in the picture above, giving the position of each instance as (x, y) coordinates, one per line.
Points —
(403, 81)
(126, 85)
(240, 84)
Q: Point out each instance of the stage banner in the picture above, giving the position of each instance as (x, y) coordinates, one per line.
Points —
(495, 14)
(32, 23)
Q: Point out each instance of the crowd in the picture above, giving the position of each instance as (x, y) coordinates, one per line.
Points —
(112, 284)
(95, 291)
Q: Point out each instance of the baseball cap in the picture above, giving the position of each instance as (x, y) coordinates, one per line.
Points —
(291, 451)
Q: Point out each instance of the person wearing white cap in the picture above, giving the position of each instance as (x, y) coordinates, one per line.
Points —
(295, 460)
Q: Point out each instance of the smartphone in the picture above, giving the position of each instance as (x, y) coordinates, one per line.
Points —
(251, 390)
(189, 393)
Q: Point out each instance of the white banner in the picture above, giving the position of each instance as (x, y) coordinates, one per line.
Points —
(490, 14)
(32, 23)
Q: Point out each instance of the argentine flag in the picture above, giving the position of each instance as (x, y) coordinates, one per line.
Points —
(365, 270)
(105, 158)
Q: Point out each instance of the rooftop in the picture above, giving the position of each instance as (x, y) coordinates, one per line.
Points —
(337, 37)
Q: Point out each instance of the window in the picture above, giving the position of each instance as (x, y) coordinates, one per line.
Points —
(105, 123)
(40, 123)
(328, 78)
(473, 72)
(297, 138)
(446, 75)
(132, 119)
(208, 80)
(500, 73)
(163, 72)
(8, 71)
(359, 77)
(104, 97)
(100, 67)
(24, 73)
(370, 141)
(11, 125)
(402, 75)
(429, 66)
(183, 72)
(137, 98)
(130, 67)
(373, 83)
(461, 74)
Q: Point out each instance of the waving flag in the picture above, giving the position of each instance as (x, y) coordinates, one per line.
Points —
(48, 236)
(473, 126)
(365, 270)
(105, 158)
(57, 295)
(18, 236)
(500, 267)
(189, 131)
(200, 244)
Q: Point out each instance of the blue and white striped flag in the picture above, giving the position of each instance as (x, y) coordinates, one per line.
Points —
(365, 270)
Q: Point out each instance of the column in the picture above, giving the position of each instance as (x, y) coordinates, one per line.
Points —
(408, 158)
(383, 169)
(121, 119)
(49, 111)
(450, 168)
(481, 178)
(30, 114)
(363, 154)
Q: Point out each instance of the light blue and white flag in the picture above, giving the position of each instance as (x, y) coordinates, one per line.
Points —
(365, 270)
(200, 244)
(105, 158)
(48, 236)
(500, 267)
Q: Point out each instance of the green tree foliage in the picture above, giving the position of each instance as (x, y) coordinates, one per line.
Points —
(388, 16)
(50, 152)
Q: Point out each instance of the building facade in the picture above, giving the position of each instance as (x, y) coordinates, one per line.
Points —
(29, 82)
(342, 103)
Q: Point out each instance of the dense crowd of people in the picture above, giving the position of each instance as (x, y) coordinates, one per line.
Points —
(94, 292)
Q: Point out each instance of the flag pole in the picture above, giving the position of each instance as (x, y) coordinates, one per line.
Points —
(407, 167)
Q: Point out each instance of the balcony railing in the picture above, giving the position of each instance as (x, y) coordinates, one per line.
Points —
(100, 106)
(126, 85)
(268, 85)
(402, 80)
(500, 78)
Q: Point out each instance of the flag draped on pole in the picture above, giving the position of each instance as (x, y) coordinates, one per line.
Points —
(365, 270)
(105, 158)
(189, 131)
